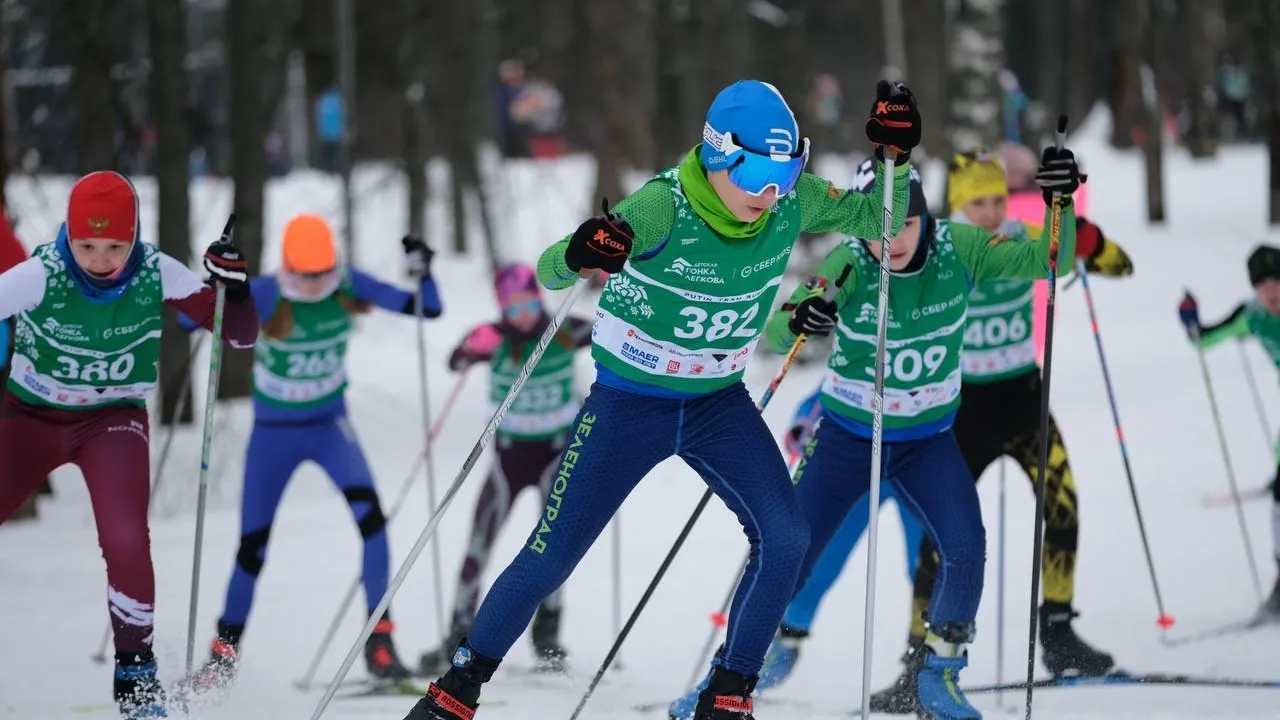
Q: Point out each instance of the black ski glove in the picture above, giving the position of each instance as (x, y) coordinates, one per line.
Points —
(226, 265)
(813, 316)
(417, 256)
(601, 243)
(1058, 172)
(894, 120)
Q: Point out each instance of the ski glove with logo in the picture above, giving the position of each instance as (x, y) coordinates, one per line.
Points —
(417, 256)
(601, 243)
(894, 120)
(1058, 172)
(226, 265)
(813, 316)
(1189, 314)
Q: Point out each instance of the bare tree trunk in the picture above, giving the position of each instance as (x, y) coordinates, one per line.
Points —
(1125, 96)
(167, 36)
(642, 108)
(977, 55)
(415, 115)
(1153, 135)
(601, 16)
(1081, 41)
(1264, 19)
(1204, 39)
(93, 92)
(247, 37)
(927, 62)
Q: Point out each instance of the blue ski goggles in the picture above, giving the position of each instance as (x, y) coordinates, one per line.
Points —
(755, 172)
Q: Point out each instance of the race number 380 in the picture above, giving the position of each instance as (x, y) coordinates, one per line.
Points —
(909, 364)
(118, 369)
(995, 331)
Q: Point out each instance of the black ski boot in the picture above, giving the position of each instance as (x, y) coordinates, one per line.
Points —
(1064, 652)
(136, 688)
(903, 696)
(219, 671)
(456, 695)
(436, 662)
(551, 655)
(380, 653)
(727, 697)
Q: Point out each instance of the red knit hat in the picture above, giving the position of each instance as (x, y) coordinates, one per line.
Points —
(104, 205)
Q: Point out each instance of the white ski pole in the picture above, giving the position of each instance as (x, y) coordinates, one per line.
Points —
(425, 399)
(429, 531)
(1000, 587)
(877, 432)
(210, 402)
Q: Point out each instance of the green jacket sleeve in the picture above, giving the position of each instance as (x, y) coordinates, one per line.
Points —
(777, 334)
(824, 208)
(651, 211)
(989, 257)
(1236, 325)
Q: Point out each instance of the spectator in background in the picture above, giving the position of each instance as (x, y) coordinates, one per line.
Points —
(1233, 94)
(1016, 103)
(330, 127)
(530, 113)
(511, 84)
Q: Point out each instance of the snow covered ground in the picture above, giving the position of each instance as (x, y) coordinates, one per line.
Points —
(52, 577)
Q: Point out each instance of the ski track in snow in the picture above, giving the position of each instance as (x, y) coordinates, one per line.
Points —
(52, 580)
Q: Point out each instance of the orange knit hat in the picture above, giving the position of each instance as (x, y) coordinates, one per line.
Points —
(309, 246)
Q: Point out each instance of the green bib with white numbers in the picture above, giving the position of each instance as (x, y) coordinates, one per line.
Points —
(546, 405)
(73, 353)
(998, 342)
(922, 358)
(688, 318)
(308, 366)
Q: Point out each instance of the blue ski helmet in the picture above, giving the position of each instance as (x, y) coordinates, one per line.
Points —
(751, 132)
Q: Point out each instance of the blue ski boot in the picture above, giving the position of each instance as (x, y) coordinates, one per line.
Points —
(781, 659)
(137, 690)
(944, 655)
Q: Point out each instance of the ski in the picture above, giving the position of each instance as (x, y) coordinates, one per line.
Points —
(1120, 678)
(1227, 500)
(383, 688)
(1232, 628)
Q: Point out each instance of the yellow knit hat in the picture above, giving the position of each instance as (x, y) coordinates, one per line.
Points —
(974, 174)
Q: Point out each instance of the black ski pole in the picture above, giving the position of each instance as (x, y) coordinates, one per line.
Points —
(1055, 237)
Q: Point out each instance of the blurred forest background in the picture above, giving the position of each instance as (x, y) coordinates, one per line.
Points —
(256, 89)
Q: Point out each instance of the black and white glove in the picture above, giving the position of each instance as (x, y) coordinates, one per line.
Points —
(601, 243)
(417, 256)
(228, 267)
(813, 316)
(1058, 173)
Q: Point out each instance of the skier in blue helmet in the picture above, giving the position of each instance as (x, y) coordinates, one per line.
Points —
(695, 259)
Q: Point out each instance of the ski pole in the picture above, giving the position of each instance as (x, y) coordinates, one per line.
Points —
(877, 433)
(1042, 472)
(425, 400)
(790, 360)
(158, 472)
(1226, 461)
(1164, 621)
(434, 522)
(210, 402)
(1257, 396)
(1000, 545)
(617, 580)
(354, 588)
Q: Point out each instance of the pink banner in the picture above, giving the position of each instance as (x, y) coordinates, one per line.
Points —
(1029, 207)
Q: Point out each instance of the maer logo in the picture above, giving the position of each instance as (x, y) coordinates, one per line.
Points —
(638, 356)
